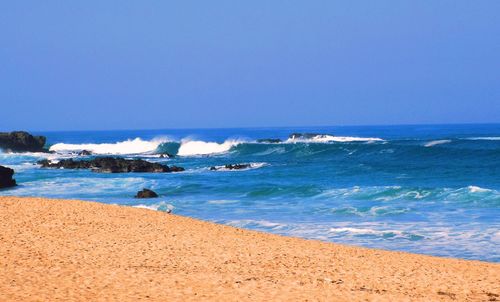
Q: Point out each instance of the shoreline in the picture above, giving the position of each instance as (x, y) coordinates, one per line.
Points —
(55, 249)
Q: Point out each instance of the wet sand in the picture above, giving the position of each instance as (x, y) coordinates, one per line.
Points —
(67, 250)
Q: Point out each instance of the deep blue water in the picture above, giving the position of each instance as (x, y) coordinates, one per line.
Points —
(432, 189)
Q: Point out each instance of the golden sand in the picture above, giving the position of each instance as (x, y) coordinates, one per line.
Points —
(71, 250)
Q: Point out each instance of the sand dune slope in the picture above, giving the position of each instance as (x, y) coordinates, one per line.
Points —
(83, 251)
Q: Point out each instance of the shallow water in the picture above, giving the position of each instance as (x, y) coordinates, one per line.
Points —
(424, 189)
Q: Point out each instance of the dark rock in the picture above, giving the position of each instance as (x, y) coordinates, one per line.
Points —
(231, 167)
(111, 165)
(269, 140)
(176, 169)
(21, 141)
(84, 153)
(146, 193)
(6, 180)
(303, 135)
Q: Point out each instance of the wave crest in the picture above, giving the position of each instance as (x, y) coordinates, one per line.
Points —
(325, 138)
(437, 142)
(135, 146)
(192, 147)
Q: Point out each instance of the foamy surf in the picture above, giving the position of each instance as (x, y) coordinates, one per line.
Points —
(437, 142)
(323, 138)
(485, 138)
(350, 231)
(193, 147)
(250, 167)
(135, 146)
(160, 206)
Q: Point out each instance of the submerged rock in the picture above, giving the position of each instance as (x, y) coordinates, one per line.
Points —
(85, 153)
(231, 167)
(111, 165)
(146, 193)
(6, 180)
(21, 141)
(269, 140)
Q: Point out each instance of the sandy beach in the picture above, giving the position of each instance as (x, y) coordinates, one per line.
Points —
(68, 250)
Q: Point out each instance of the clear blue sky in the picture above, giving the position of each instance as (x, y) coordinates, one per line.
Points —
(67, 65)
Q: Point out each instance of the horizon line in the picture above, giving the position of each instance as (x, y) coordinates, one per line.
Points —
(261, 127)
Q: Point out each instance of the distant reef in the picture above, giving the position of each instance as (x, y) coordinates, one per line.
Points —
(6, 180)
(231, 167)
(303, 135)
(21, 141)
(111, 165)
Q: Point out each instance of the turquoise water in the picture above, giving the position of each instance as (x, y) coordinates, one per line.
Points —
(425, 189)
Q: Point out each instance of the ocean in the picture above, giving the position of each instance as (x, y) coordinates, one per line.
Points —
(429, 189)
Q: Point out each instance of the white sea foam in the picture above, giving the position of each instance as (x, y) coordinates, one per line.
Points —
(160, 206)
(389, 234)
(252, 166)
(323, 138)
(256, 223)
(485, 138)
(437, 142)
(193, 147)
(222, 201)
(135, 146)
(474, 189)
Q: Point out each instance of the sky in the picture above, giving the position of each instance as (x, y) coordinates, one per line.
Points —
(96, 65)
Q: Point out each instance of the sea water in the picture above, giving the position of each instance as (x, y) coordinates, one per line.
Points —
(431, 189)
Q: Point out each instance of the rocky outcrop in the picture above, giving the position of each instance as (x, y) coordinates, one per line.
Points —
(146, 193)
(269, 140)
(21, 141)
(85, 153)
(6, 180)
(111, 165)
(303, 135)
(230, 167)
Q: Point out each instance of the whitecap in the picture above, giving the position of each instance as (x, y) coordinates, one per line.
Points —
(437, 142)
(485, 138)
(474, 189)
(323, 138)
(193, 147)
(135, 146)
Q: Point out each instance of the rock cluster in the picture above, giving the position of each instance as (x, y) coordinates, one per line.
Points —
(111, 165)
(231, 167)
(303, 135)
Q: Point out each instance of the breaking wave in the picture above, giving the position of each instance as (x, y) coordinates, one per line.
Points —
(192, 147)
(135, 146)
(324, 138)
